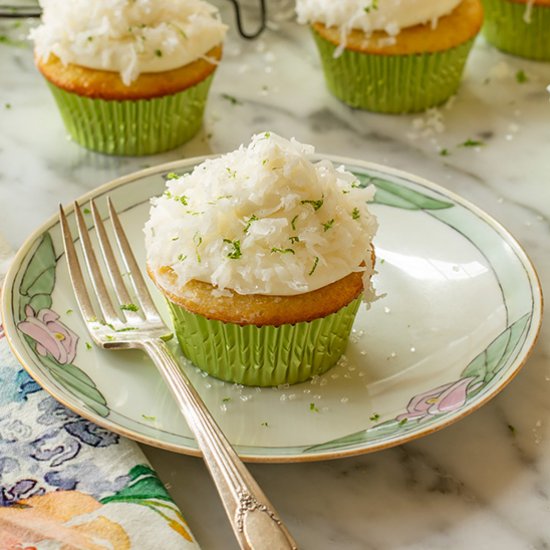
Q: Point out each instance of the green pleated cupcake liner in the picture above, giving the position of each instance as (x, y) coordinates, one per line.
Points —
(517, 29)
(266, 355)
(392, 83)
(133, 127)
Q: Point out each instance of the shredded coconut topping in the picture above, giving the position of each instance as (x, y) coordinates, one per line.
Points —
(128, 36)
(263, 219)
(373, 15)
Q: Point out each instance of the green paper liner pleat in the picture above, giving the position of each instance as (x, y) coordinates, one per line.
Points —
(133, 127)
(266, 355)
(506, 28)
(392, 83)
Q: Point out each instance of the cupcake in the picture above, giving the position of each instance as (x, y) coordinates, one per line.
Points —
(392, 56)
(130, 77)
(519, 27)
(264, 257)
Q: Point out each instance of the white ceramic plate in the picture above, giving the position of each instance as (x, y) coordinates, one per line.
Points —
(460, 315)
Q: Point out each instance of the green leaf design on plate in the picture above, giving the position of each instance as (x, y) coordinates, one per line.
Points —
(482, 369)
(39, 279)
(40, 301)
(346, 441)
(389, 427)
(78, 382)
(493, 359)
(35, 290)
(393, 194)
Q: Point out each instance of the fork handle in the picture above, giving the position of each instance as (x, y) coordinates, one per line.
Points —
(252, 517)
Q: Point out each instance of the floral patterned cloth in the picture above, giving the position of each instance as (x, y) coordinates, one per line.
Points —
(66, 483)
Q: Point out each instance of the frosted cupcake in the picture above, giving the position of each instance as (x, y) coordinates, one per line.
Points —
(130, 77)
(519, 27)
(392, 56)
(263, 256)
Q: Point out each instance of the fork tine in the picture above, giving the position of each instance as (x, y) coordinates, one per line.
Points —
(112, 265)
(98, 283)
(131, 265)
(75, 272)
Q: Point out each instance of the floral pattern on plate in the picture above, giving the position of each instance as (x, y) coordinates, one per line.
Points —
(456, 281)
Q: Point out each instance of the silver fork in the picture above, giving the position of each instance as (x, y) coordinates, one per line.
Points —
(253, 518)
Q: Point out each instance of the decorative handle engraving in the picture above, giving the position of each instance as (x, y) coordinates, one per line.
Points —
(253, 518)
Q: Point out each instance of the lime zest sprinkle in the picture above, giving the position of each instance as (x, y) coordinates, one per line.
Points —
(129, 307)
(315, 203)
(315, 262)
(313, 408)
(355, 214)
(235, 253)
(373, 6)
(472, 143)
(232, 99)
(521, 77)
(328, 225)
(197, 239)
(283, 250)
(252, 218)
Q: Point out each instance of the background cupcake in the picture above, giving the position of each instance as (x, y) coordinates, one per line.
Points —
(130, 77)
(519, 27)
(263, 257)
(392, 56)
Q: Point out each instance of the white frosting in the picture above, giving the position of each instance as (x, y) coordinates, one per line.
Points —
(128, 36)
(373, 15)
(263, 219)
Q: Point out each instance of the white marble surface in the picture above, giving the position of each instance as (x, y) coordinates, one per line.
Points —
(477, 484)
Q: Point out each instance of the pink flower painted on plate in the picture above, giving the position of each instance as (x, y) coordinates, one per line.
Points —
(50, 334)
(1, 332)
(446, 398)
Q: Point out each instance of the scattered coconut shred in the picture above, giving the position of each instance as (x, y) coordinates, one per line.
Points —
(131, 38)
(370, 16)
(263, 219)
